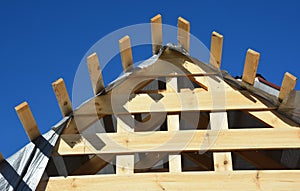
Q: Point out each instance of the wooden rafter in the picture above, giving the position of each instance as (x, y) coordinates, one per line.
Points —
(62, 97)
(1, 157)
(288, 85)
(250, 67)
(216, 47)
(184, 33)
(126, 53)
(28, 121)
(95, 73)
(156, 33)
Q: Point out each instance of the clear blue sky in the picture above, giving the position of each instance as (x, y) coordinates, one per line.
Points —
(40, 42)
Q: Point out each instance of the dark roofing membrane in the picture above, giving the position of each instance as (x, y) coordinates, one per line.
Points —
(24, 169)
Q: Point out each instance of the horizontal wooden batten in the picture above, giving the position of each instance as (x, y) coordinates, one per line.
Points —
(284, 180)
(190, 140)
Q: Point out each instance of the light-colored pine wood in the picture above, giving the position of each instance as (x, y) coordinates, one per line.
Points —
(95, 73)
(184, 33)
(28, 121)
(1, 157)
(284, 180)
(288, 85)
(250, 66)
(124, 163)
(126, 53)
(173, 125)
(62, 97)
(222, 160)
(216, 46)
(192, 140)
(156, 33)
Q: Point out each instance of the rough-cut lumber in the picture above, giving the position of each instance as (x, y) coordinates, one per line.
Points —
(156, 33)
(216, 46)
(126, 53)
(95, 73)
(184, 33)
(288, 85)
(62, 97)
(222, 160)
(250, 67)
(191, 140)
(284, 180)
(28, 121)
(124, 163)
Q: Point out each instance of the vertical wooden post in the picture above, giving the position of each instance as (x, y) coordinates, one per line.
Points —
(124, 163)
(95, 73)
(250, 67)
(184, 33)
(216, 46)
(62, 97)
(156, 33)
(222, 160)
(28, 121)
(173, 125)
(126, 53)
(288, 85)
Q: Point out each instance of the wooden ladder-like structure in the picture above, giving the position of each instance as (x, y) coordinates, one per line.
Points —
(215, 172)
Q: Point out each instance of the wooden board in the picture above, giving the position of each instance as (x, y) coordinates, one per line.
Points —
(288, 85)
(156, 33)
(62, 97)
(191, 140)
(1, 157)
(95, 73)
(216, 46)
(126, 53)
(250, 67)
(284, 180)
(28, 121)
(184, 33)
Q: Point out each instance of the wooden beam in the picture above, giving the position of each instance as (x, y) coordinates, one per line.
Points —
(216, 47)
(156, 33)
(62, 97)
(124, 163)
(126, 53)
(192, 140)
(184, 33)
(95, 73)
(284, 180)
(28, 121)
(288, 85)
(222, 160)
(173, 126)
(250, 67)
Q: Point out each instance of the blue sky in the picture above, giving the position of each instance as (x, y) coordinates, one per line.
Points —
(41, 42)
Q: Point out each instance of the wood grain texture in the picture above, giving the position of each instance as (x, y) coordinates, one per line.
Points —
(62, 97)
(288, 85)
(192, 140)
(250, 66)
(183, 33)
(126, 53)
(95, 73)
(156, 33)
(284, 180)
(216, 46)
(28, 121)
